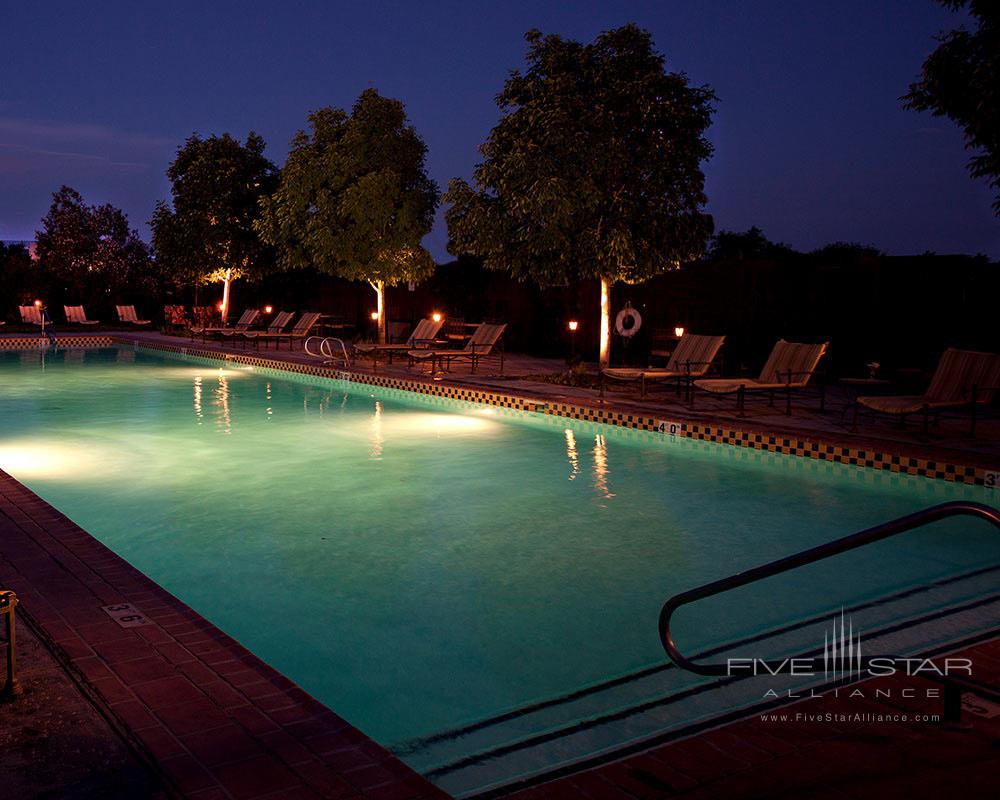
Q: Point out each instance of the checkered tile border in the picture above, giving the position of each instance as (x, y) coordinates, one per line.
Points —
(805, 448)
(38, 342)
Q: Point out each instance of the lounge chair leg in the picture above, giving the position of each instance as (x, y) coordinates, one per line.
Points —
(741, 399)
(788, 403)
(642, 387)
(770, 399)
(601, 388)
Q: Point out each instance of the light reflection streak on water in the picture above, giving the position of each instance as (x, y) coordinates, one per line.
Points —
(572, 455)
(269, 411)
(222, 401)
(199, 414)
(377, 438)
(601, 471)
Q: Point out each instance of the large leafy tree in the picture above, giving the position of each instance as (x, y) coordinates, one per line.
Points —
(961, 80)
(354, 198)
(91, 250)
(594, 170)
(207, 232)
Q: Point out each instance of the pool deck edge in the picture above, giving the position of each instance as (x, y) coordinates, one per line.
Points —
(214, 720)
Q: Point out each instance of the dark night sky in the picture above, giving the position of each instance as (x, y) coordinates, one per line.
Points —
(811, 142)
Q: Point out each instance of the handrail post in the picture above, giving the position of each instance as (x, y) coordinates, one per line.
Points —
(8, 602)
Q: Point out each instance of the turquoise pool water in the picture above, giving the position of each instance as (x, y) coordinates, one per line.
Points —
(417, 563)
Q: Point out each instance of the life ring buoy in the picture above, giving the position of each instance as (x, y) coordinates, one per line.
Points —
(628, 322)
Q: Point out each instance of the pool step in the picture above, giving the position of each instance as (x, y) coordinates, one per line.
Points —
(661, 699)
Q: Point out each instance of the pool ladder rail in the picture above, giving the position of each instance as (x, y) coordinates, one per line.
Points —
(323, 350)
(953, 685)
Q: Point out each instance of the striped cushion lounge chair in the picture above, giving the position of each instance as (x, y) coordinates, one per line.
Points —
(78, 316)
(484, 341)
(963, 379)
(30, 315)
(300, 330)
(789, 368)
(248, 318)
(692, 358)
(421, 339)
(127, 314)
(278, 323)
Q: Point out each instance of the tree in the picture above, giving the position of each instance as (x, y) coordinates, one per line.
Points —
(91, 250)
(594, 170)
(19, 276)
(207, 233)
(748, 245)
(961, 80)
(354, 198)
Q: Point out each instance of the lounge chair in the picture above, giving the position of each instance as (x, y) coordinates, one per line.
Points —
(421, 339)
(788, 369)
(248, 318)
(174, 318)
(78, 316)
(963, 379)
(30, 315)
(485, 339)
(278, 324)
(127, 314)
(692, 358)
(300, 330)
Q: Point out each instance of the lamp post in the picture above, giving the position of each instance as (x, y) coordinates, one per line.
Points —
(679, 331)
(375, 320)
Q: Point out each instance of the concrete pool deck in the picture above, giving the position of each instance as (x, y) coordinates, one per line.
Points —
(216, 722)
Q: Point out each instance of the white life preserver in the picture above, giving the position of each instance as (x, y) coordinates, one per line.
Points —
(628, 322)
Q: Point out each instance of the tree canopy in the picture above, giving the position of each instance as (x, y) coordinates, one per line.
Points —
(91, 250)
(594, 170)
(207, 232)
(961, 80)
(354, 199)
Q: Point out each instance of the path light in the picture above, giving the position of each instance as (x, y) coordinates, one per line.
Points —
(679, 331)
(219, 306)
(436, 316)
(374, 316)
(38, 304)
(573, 325)
(268, 309)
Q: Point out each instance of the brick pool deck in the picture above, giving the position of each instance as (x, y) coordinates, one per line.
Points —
(216, 722)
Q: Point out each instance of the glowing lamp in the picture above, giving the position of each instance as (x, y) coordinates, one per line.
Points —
(573, 325)
(268, 309)
(38, 304)
(679, 331)
(219, 306)
(436, 316)
(374, 316)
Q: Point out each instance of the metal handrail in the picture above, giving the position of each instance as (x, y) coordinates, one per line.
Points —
(810, 556)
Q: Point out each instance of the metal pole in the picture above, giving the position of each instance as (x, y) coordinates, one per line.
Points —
(8, 601)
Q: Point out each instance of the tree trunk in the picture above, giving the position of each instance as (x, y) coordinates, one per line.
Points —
(379, 287)
(605, 344)
(225, 295)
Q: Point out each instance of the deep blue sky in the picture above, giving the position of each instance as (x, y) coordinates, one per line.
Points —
(811, 142)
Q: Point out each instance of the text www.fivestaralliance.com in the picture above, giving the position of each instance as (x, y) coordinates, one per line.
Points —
(859, 717)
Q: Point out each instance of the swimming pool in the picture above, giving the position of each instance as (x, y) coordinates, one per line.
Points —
(430, 564)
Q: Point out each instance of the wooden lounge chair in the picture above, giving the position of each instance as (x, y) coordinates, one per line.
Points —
(963, 379)
(421, 339)
(248, 318)
(692, 358)
(788, 369)
(300, 330)
(278, 324)
(485, 339)
(78, 316)
(30, 315)
(127, 314)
